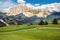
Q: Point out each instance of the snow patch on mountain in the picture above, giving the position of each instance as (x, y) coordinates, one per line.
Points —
(40, 10)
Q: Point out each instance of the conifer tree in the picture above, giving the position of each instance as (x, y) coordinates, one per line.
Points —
(55, 21)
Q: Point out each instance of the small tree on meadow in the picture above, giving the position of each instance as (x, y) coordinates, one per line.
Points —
(46, 23)
(55, 21)
(41, 22)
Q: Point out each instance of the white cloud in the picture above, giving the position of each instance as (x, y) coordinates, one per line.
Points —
(47, 7)
(29, 5)
(21, 1)
(51, 7)
(37, 4)
(6, 5)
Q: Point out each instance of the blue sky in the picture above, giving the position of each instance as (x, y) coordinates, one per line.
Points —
(42, 1)
(9, 3)
(39, 1)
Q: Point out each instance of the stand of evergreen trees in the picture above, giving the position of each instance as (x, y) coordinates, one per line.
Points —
(43, 23)
(55, 21)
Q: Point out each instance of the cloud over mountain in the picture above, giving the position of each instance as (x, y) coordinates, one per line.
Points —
(21, 1)
(51, 7)
(6, 4)
(48, 7)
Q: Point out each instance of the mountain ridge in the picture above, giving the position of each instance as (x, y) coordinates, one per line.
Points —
(29, 11)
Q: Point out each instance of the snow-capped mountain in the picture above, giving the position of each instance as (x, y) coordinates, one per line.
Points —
(24, 13)
(30, 10)
(27, 11)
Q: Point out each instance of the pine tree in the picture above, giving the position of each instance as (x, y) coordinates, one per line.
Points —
(55, 21)
(41, 22)
(46, 23)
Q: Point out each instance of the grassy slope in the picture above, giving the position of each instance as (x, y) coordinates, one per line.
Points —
(35, 34)
(15, 28)
(22, 27)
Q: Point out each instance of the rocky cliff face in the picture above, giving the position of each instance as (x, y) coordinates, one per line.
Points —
(27, 11)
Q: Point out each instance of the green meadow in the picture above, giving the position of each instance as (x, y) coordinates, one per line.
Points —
(30, 32)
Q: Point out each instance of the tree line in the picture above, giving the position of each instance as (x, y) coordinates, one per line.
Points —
(55, 21)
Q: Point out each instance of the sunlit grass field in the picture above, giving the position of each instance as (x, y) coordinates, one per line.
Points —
(30, 32)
